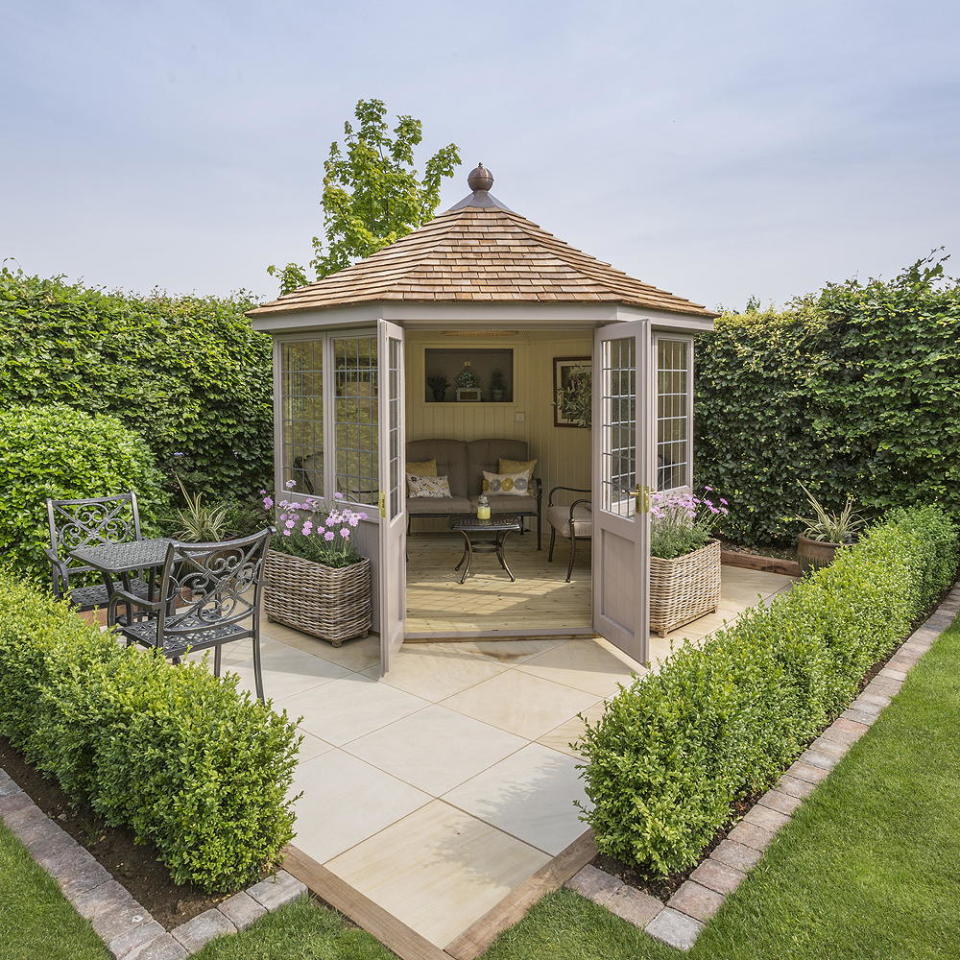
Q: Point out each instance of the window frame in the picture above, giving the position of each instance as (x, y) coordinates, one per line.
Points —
(329, 433)
(660, 336)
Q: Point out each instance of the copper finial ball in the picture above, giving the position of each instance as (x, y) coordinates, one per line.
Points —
(480, 179)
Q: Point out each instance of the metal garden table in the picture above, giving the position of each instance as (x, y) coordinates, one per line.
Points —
(472, 529)
(117, 561)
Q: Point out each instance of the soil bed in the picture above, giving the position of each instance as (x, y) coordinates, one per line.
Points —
(780, 553)
(134, 865)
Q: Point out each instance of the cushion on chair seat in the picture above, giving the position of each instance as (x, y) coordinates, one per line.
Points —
(440, 506)
(558, 516)
(145, 632)
(508, 503)
(86, 598)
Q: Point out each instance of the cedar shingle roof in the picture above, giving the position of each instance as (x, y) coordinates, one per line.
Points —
(479, 252)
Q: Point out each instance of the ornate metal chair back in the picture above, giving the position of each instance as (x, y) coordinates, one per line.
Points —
(88, 522)
(216, 584)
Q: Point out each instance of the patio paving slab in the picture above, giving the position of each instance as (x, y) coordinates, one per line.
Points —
(437, 671)
(438, 870)
(349, 708)
(345, 801)
(435, 749)
(522, 704)
(355, 655)
(286, 670)
(588, 665)
(531, 795)
(561, 737)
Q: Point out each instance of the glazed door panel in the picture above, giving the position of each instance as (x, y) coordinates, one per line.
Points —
(622, 486)
(393, 516)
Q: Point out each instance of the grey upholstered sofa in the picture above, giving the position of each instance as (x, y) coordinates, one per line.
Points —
(463, 463)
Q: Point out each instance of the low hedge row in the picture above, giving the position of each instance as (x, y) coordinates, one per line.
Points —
(675, 752)
(188, 763)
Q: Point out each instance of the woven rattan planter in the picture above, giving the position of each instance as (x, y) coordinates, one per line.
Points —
(684, 589)
(332, 603)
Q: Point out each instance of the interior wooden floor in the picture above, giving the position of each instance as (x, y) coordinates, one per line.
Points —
(539, 601)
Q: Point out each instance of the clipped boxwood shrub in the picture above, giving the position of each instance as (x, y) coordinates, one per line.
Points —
(674, 753)
(187, 762)
(58, 452)
(852, 390)
(187, 371)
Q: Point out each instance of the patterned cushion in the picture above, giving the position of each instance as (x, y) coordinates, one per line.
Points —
(509, 484)
(428, 486)
(517, 466)
(422, 468)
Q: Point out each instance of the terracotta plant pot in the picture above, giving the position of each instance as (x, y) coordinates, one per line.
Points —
(814, 554)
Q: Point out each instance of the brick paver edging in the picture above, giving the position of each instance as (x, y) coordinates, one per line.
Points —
(127, 929)
(680, 920)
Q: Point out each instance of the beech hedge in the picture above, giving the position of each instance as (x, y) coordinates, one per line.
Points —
(678, 750)
(187, 762)
(188, 372)
(852, 390)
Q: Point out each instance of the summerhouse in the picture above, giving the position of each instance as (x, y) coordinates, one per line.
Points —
(467, 350)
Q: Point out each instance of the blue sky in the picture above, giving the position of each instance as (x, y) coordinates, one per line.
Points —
(718, 150)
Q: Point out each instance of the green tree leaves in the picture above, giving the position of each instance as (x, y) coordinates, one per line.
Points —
(372, 192)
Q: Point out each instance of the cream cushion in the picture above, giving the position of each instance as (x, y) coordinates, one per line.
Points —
(437, 488)
(506, 484)
(558, 516)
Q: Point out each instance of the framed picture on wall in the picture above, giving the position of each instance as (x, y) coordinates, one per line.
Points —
(572, 391)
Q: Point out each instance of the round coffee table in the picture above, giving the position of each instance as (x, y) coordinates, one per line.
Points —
(484, 536)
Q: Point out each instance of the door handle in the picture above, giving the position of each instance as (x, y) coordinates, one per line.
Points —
(382, 504)
(642, 494)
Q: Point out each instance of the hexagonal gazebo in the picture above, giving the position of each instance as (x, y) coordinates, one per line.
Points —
(484, 290)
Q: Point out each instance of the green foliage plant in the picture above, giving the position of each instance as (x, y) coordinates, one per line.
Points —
(187, 372)
(373, 193)
(830, 527)
(200, 521)
(187, 762)
(60, 453)
(677, 751)
(853, 388)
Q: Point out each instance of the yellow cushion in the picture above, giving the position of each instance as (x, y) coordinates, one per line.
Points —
(422, 468)
(517, 466)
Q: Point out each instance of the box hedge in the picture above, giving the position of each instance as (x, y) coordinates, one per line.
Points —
(57, 452)
(187, 762)
(675, 753)
(851, 390)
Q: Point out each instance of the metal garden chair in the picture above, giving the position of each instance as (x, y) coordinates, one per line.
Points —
(209, 595)
(573, 522)
(84, 523)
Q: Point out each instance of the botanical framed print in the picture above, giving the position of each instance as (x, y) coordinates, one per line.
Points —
(572, 391)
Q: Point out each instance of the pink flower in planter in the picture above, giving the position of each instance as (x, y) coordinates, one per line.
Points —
(328, 536)
(290, 484)
(267, 503)
(290, 524)
(286, 533)
(307, 528)
(338, 496)
(345, 533)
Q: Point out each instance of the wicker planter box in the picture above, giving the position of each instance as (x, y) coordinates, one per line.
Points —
(684, 589)
(332, 603)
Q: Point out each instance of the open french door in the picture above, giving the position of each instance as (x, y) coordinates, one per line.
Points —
(393, 514)
(622, 475)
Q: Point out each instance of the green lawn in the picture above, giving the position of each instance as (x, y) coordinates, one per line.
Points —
(868, 870)
(35, 920)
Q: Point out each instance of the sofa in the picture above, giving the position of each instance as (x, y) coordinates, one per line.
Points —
(463, 463)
